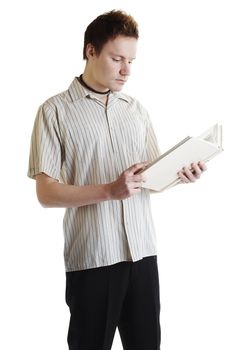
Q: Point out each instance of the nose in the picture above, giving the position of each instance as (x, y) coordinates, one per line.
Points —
(125, 68)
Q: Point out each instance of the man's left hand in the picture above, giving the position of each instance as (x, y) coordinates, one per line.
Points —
(192, 173)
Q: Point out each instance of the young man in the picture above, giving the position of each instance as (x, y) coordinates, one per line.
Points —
(87, 144)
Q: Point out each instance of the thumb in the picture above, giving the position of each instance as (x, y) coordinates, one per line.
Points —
(138, 167)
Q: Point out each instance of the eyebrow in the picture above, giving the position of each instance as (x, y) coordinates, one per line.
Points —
(114, 54)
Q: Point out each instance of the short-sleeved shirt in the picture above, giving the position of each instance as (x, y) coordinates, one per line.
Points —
(80, 141)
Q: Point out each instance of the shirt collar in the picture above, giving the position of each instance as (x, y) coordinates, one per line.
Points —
(77, 91)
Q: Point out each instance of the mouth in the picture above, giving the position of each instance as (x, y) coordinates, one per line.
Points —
(121, 81)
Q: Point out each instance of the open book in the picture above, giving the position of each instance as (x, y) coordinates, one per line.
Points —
(162, 173)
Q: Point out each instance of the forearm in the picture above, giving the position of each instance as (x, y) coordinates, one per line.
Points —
(58, 195)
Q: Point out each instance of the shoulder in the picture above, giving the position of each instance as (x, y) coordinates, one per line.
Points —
(133, 101)
(136, 106)
(56, 101)
(53, 106)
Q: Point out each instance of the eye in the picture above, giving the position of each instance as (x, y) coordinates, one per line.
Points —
(116, 60)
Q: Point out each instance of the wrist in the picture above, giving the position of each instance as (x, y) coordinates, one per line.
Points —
(108, 191)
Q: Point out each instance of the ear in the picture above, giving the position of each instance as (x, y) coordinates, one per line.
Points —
(90, 51)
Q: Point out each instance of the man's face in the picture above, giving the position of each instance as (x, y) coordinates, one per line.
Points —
(111, 69)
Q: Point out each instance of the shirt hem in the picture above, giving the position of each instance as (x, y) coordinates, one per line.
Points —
(92, 266)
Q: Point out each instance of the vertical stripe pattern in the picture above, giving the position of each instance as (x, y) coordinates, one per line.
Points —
(80, 141)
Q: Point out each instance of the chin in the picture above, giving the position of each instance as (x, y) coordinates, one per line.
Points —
(116, 88)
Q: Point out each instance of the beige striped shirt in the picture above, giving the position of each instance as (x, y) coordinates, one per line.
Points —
(80, 141)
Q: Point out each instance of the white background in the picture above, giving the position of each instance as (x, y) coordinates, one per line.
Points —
(183, 76)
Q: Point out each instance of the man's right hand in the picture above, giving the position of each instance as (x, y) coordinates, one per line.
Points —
(128, 183)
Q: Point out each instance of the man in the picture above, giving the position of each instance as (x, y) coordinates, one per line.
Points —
(87, 145)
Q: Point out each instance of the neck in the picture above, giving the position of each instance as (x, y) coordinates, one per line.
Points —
(87, 81)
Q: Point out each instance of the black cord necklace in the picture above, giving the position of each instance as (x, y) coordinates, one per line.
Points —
(80, 79)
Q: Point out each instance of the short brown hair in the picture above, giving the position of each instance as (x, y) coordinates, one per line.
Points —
(107, 27)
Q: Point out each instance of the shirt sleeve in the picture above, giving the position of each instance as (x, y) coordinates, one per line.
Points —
(152, 147)
(46, 146)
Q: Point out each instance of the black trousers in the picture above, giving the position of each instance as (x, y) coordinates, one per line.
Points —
(123, 295)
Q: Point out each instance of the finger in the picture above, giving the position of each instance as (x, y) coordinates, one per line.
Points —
(137, 167)
(138, 184)
(202, 165)
(187, 172)
(139, 178)
(183, 178)
(196, 170)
